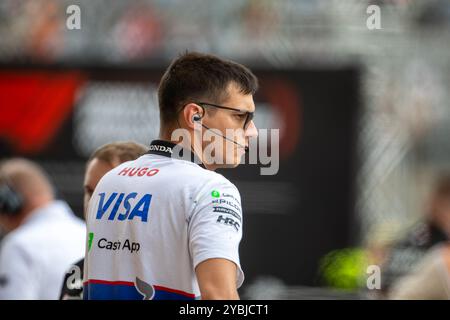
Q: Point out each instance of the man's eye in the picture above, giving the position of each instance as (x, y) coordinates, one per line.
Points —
(241, 116)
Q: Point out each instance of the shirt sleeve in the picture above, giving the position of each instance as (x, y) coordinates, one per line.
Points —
(17, 278)
(215, 226)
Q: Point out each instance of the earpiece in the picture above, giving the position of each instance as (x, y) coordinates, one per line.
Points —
(11, 202)
(196, 117)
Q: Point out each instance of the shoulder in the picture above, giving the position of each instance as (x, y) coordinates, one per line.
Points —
(57, 217)
(16, 244)
(212, 182)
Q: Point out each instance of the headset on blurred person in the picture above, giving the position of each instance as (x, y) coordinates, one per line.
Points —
(11, 202)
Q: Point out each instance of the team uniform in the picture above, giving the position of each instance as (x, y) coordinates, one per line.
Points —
(35, 256)
(151, 221)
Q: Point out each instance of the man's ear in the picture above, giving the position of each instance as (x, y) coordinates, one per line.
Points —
(192, 113)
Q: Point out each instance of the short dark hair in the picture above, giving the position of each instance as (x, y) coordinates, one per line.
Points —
(117, 152)
(196, 76)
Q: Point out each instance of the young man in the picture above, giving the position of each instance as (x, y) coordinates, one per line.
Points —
(100, 162)
(166, 226)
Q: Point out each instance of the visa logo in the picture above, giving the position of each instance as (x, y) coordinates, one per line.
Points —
(122, 209)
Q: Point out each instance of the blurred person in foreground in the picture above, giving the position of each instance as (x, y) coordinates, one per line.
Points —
(6, 151)
(429, 280)
(423, 242)
(43, 235)
(166, 226)
(100, 162)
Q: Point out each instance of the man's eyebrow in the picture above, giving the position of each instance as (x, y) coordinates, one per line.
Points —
(244, 109)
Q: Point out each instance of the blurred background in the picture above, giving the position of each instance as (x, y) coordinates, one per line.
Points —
(363, 116)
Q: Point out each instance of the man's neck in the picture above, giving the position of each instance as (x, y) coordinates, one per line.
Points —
(186, 145)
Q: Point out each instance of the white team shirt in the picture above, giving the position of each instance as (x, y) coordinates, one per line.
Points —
(151, 221)
(35, 256)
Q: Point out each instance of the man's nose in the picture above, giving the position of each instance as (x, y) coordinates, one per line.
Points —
(251, 131)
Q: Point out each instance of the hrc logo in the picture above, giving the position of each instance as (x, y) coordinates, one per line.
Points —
(122, 201)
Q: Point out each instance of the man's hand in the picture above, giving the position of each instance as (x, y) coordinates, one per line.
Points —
(217, 279)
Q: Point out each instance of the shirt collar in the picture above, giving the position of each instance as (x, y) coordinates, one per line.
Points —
(172, 150)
